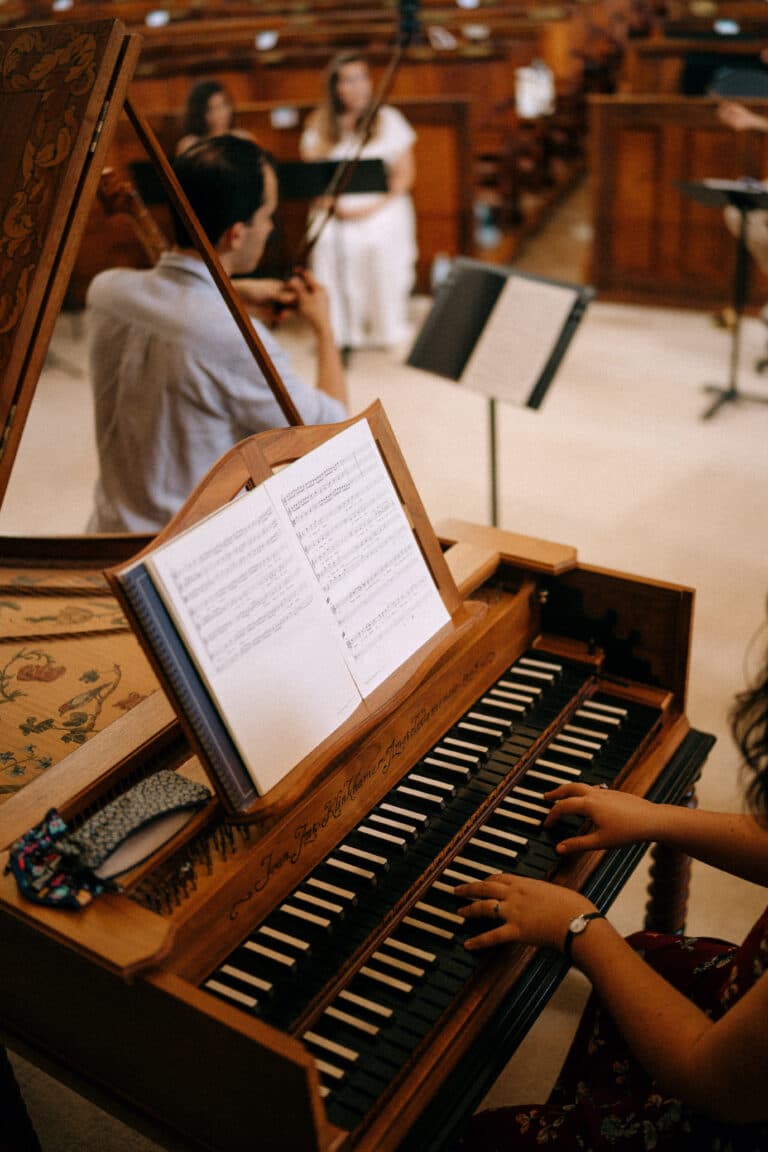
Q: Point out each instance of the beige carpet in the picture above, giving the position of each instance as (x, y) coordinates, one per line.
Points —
(617, 461)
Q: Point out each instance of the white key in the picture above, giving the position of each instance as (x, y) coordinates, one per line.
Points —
(519, 817)
(467, 744)
(364, 1002)
(439, 913)
(545, 776)
(326, 1069)
(429, 796)
(419, 817)
(496, 733)
(568, 751)
(603, 736)
(383, 978)
(377, 834)
(496, 849)
(331, 1046)
(460, 876)
(531, 690)
(545, 665)
(270, 954)
(444, 766)
(307, 917)
(360, 854)
(511, 836)
(318, 902)
(351, 1021)
(343, 866)
(246, 977)
(440, 887)
(606, 708)
(231, 993)
(542, 762)
(431, 782)
(566, 739)
(594, 718)
(518, 671)
(486, 868)
(431, 929)
(333, 889)
(528, 792)
(506, 704)
(456, 755)
(284, 938)
(398, 824)
(410, 950)
(486, 719)
(399, 965)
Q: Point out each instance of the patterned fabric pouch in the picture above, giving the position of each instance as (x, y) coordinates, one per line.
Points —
(64, 869)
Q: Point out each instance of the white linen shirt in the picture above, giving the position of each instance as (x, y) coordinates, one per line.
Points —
(175, 386)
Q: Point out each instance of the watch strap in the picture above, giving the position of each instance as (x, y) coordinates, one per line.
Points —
(584, 917)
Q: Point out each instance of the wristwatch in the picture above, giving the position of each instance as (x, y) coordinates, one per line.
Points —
(578, 925)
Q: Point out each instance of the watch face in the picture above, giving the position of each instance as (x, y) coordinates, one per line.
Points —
(578, 925)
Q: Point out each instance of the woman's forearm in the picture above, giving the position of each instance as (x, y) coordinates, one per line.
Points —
(713, 1067)
(733, 842)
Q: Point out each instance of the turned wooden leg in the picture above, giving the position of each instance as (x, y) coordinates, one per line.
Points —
(669, 884)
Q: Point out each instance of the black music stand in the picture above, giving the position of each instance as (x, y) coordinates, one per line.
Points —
(308, 180)
(746, 196)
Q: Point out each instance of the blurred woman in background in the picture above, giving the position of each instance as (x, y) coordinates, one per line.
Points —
(366, 251)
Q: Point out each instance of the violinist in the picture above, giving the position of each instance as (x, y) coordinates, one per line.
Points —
(175, 385)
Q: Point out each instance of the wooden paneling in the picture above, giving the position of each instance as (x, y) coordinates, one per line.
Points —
(658, 65)
(652, 243)
(442, 196)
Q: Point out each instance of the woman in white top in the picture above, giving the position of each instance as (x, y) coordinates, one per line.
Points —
(366, 252)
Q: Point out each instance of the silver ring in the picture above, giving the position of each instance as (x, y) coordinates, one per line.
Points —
(496, 911)
(603, 785)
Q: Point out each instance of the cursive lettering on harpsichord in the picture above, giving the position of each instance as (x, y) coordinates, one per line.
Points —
(306, 832)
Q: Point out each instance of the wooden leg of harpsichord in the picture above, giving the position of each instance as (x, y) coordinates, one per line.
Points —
(669, 883)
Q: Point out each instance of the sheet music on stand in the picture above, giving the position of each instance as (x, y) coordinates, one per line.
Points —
(499, 332)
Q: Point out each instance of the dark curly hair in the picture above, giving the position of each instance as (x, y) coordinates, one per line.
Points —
(197, 102)
(749, 726)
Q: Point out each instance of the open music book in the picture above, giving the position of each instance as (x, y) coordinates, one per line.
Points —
(273, 617)
(498, 331)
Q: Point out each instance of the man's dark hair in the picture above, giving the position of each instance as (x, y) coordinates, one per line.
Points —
(223, 179)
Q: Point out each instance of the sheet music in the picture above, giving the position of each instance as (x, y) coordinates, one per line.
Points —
(343, 508)
(299, 598)
(518, 338)
(254, 622)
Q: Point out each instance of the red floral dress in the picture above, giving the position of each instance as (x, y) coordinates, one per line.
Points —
(603, 1099)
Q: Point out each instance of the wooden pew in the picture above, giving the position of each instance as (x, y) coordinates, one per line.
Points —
(652, 244)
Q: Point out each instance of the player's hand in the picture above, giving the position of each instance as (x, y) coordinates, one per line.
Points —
(616, 818)
(519, 910)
